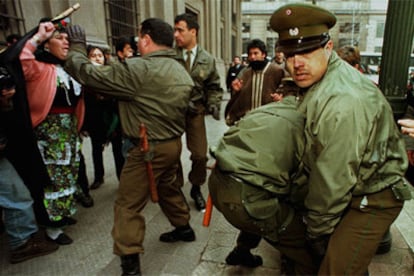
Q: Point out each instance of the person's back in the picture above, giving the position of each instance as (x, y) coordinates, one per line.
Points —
(258, 179)
(154, 92)
(255, 150)
(166, 108)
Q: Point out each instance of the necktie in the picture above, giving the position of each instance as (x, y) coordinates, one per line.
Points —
(188, 61)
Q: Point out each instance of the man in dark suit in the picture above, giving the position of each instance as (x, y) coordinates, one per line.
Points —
(234, 70)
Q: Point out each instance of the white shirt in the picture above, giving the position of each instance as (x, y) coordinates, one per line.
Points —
(193, 54)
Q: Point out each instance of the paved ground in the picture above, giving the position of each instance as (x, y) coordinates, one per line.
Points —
(91, 252)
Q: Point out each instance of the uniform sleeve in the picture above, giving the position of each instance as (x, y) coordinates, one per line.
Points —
(113, 80)
(409, 141)
(337, 144)
(213, 87)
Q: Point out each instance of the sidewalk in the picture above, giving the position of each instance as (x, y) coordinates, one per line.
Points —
(91, 252)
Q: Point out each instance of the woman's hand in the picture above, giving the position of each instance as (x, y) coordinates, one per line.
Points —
(407, 126)
(44, 32)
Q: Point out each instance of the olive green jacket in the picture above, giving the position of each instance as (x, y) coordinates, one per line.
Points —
(353, 145)
(265, 148)
(153, 89)
(409, 141)
(205, 76)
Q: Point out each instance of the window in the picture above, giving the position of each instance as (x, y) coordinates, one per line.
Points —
(246, 27)
(380, 29)
(349, 27)
(11, 21)
(122, 19)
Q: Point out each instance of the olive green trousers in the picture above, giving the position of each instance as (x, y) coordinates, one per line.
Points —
(133, 194)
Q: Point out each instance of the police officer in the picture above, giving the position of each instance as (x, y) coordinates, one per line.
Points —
(154, 90)
(201, 66)
(354, 152)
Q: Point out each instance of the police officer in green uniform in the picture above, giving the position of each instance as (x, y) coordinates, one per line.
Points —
(354, 151)
(258, 184)
(201, 66)
(154, 90)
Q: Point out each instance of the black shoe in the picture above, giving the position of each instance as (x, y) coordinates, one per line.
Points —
(70, 221)
(385, 245)
(85, 200)
(287, 266)
(36, 246)
(62, 239)
(199, 201)
(96, 184)
(243, 258)
(183, 233)
(130, 265)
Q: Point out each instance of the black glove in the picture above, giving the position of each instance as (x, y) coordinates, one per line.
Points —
(192, 109)
(214, 110)
(76, 34)
(317, 247)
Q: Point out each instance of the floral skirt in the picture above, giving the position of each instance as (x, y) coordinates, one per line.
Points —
(59, 145)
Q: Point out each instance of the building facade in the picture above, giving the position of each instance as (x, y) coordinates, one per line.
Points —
(105, 21)
(359, 22)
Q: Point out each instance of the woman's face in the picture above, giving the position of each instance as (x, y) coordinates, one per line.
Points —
(97, 56)
(58, 45)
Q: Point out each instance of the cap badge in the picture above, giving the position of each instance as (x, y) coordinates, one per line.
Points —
(288, 12)
(293, 31)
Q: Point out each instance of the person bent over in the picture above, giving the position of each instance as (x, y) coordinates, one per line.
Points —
(258, 184)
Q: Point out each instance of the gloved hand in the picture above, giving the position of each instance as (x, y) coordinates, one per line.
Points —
(317, 247)
(76, 34)
(192, 109)
(214, 110)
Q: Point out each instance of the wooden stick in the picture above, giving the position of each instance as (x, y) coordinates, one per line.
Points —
(145, 148)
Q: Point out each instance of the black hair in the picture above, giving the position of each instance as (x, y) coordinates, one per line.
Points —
(121, 43)
(160, 31)
(257, 43)
(90, 48)
(350, 54)
(190, 19)
(12, 38)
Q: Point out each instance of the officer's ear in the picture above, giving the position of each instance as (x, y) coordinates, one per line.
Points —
(328, 48)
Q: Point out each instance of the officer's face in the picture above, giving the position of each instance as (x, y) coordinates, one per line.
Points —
(308, 68)
(184, 37)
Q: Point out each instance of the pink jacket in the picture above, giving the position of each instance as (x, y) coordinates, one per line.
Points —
(41, 81)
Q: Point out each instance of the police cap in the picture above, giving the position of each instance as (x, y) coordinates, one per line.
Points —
(301, 27)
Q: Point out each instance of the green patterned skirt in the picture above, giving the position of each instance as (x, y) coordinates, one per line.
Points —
(59, 145)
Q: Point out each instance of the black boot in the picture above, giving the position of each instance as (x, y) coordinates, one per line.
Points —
(181, 233)
(243, 257)
(385, 244)
(130, 265)
(199, 201)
